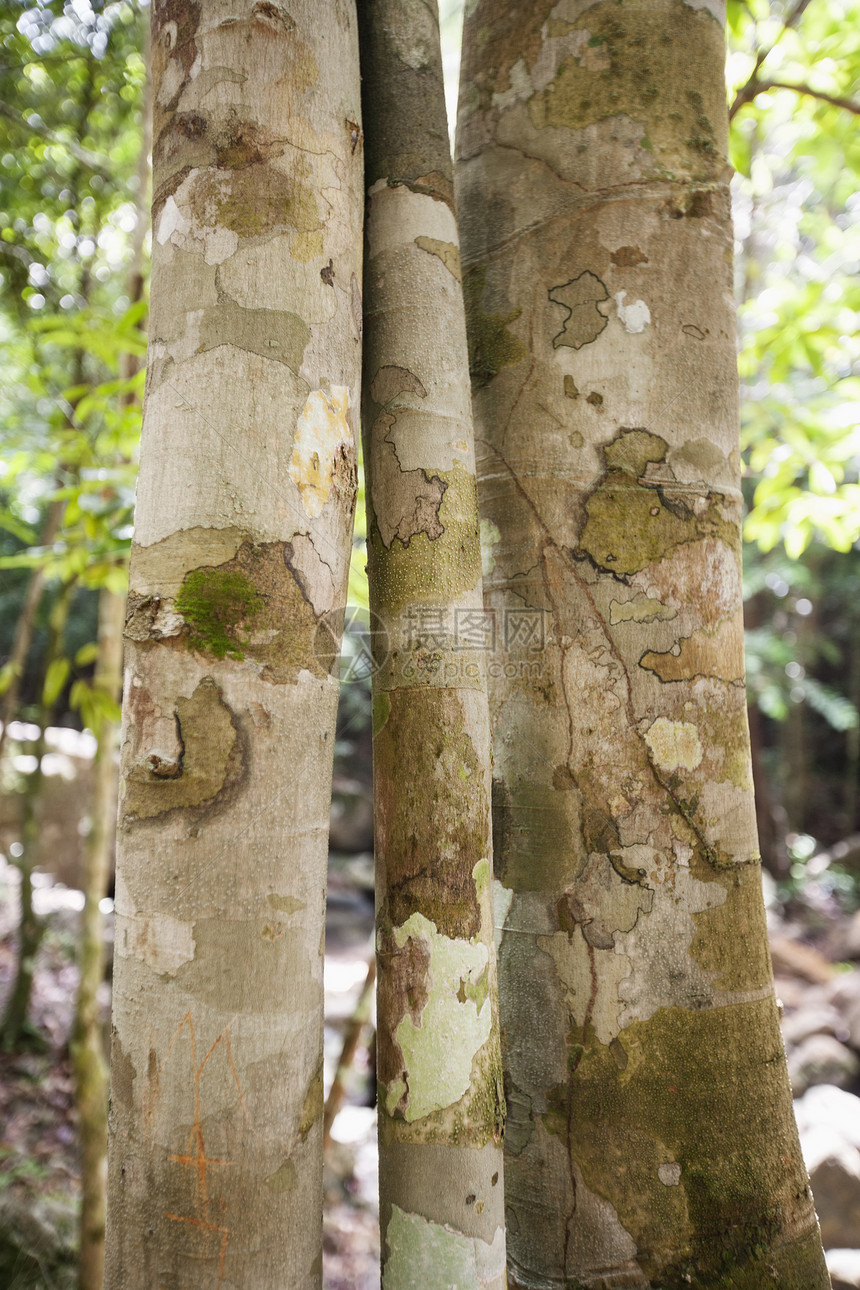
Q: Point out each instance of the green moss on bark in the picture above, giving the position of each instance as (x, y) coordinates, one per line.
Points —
(697, 1091)
(252, 607)
(436, 569)
(216, 604)
(491, 345)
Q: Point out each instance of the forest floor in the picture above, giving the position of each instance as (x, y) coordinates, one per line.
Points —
(38, 1153)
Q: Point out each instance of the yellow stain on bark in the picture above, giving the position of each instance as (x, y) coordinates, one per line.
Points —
(322, 427)
(675, 745)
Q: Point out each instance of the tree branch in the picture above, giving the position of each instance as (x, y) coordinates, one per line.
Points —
(754, 87)
(802, 88)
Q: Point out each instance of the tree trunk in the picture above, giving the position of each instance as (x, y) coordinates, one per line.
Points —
(237, 583)
(440, 1100)
(91, 1074)
(650, 1138)
(91, 1069)
(26, 622)
(31, 927)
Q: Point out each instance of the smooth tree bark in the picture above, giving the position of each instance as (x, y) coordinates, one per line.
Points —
(239, 567)
(439, 1065)
(650, 1137)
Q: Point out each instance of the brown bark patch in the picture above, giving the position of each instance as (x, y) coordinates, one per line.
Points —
(174, 27)
(404, 988)
(718, 654)
(253, 606)
(432, 812)
(209, 739)
(312, 1108)
(627, 257)
(123, 1074)
(580, 298)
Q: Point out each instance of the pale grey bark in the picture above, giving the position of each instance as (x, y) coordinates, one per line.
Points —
(242, 540)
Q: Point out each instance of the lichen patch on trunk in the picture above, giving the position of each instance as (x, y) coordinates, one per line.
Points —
(421, 1253)
(454, 1009)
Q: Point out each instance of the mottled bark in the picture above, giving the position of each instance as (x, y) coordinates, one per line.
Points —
(440, 1097)
(87, 1046)
(239, 568)
(650, 1137)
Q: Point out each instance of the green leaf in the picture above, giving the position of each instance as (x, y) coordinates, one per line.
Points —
(87, 654)
(55, 678)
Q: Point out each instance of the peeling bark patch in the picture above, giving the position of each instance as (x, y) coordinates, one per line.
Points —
(448, 1013)
(283, 1179)
(390, 382)
(584, 321)
(286, 904)
(273, 13)
(718, 654)
(321, 431)
(209, 739)
(675, 745)
(627, 257)
(641, 609)
(642, 69)
(490, 539)
(122, 1073)
(271, 333)
(447, 252)
(632, 523)
(311, 572)
(405, 502)
(434, 184)
(433, 837)
(174, 26)
(257, 200)
(403, 990)
(450, 562)
(254, 607)
(421, 1253)
(692, 1080)
(162, 942)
